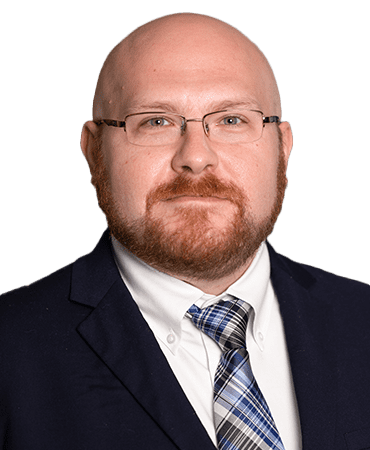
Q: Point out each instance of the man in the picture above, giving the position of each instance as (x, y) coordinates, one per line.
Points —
(188, 156)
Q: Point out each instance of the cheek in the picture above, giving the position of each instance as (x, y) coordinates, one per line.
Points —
(256, 174)
(133, 172)
(266, 191)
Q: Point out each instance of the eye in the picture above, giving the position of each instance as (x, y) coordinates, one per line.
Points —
(158, 122)
(231, 120)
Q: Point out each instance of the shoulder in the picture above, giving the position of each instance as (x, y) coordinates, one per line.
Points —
(34, 310)
(57, 286)
(49, 302)
(53, 286)
(332, 307)
(308, 275)
(331, 288)
(40, 310)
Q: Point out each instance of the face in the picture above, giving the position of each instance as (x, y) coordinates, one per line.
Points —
(195, 209)
(190, 241)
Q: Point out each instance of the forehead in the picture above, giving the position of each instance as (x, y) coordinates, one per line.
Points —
(187, 88)
(184, 101)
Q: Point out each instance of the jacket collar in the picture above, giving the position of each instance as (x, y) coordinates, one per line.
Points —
(307, 320)
(116, 331)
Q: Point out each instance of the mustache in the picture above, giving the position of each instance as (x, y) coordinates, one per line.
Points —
(208, 186)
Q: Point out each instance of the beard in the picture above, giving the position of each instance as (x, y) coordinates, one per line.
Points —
(195, 248)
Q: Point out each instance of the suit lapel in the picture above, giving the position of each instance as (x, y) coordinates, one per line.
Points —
(118, 333)
(309, 335)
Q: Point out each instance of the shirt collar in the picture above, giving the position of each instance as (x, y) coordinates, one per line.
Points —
(163, 300)
(253, 288)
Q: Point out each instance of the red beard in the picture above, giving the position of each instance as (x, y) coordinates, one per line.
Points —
(196, 249)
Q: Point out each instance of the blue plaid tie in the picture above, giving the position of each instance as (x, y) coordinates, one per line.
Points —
(242, 418)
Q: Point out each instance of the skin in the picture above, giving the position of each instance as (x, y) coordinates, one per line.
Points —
(191, 65)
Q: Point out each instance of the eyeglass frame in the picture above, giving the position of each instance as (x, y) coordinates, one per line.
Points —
(122, 123)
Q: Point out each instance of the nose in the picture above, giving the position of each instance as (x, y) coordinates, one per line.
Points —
(194, 154)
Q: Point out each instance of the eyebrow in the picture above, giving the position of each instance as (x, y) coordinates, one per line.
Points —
(154, 107)
(215, 106)
(249, 104)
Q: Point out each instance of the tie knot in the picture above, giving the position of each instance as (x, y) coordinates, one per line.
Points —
(225, 322)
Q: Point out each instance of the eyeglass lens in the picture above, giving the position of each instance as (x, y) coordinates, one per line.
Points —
(155, 129)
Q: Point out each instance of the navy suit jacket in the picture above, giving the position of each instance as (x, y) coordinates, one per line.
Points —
(81, 369)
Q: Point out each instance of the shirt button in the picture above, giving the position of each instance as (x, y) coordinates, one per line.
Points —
(171, 338)
(260, 335)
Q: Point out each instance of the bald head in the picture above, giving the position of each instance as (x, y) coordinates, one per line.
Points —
(192, 48)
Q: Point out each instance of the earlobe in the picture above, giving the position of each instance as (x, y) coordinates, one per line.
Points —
(88, 140)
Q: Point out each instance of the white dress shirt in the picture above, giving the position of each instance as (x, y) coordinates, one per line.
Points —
(193, 356)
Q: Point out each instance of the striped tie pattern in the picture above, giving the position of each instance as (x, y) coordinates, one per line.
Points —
(242, 418)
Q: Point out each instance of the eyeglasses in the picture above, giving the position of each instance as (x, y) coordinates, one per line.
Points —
(154, 129)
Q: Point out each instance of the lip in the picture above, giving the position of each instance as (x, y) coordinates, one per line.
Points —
(194, 198)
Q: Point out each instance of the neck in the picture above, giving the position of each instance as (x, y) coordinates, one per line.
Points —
(218, 286)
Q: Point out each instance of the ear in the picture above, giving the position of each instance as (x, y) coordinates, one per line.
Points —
(88, 140)
(287, 138)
